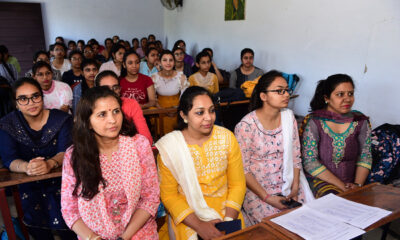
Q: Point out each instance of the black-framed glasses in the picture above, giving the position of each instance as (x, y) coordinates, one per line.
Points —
(115, 87)
(24, 100)
(281, 91)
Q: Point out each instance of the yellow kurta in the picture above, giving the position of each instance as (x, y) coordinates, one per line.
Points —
(169, 120)
(220, 174)
(209, 82)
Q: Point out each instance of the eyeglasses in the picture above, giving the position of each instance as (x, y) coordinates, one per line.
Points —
(281, 91)
(24, 100)
(88, 51)
(115, 87)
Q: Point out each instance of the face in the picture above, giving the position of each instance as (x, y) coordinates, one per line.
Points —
(76, 60)
(179, 55)
(89, 72)
(143, 42)
(106, 119)
(152, 58)
(152, 38)
(341, 99)
(44, 77)
(248, 59)
(35, 105)
(132, 64)
(127, 45)
(59, 51)
(135, 43)
(167, 62)
(112, 83)
(182, 46)
(59, 40)
(204, 64)
(109, 44)
(80, 46)
(95, 48)
(88, 53)
(71, 46)
(201, 117)
(43, 57)
(119, 55)
(274, 99)
(115, 39)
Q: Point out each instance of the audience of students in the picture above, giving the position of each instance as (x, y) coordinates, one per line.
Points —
(117, 57)
(33, 141)
(336, 141)
(204, 78)
(247, 71)
(120, 196)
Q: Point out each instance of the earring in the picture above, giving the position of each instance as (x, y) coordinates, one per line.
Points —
(326, 102)
(185, 121)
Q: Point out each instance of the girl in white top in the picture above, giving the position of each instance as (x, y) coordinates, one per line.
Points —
(59, 62)
(115, 65)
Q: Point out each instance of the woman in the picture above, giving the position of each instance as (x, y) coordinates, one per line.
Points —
(115, 64)
(180, 65)
(33, 141)
(59, 62)
(206, 159)
(43, 56)
(135, 85)
(120, 196)
(152, 63)
(74, 76)
(203, 77)
(169, 85)
(270, 147)
(135, 44)
(182, 45)
(335, 140)
(90, 68)
(247, 71)
(56, 94)
(130, 107)
(80, 44)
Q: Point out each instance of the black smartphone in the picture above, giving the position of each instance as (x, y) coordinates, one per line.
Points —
(228, 226)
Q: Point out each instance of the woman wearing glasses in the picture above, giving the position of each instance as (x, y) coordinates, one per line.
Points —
(33, 141)
(336, 141)
(180, 65)
(270, 147)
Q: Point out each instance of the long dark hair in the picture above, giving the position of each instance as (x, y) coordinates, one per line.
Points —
(85, 159)
(186, 103)
(325, 88)
(263, 83)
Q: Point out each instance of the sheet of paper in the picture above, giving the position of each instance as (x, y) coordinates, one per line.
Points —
(312, 225)
(356, 214)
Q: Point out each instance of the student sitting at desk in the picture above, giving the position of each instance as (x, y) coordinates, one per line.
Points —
(336, 141)
(110, 188)
(270, 147)
(246, 71)
(204, 78)
(33, 141)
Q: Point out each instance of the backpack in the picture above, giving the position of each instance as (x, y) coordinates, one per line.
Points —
(385, 148)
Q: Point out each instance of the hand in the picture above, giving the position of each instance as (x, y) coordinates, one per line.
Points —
(294, 193)
(349, 186)
(214, 64)
(276, 202)
(207, 230)
(64, 108)
(38, 166)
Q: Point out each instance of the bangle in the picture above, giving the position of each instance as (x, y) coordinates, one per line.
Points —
(228, 219)
(266, 197)
(358, 184)
(57, 164)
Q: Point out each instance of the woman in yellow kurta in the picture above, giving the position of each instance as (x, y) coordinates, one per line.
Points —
(204, 78)
(201, 173)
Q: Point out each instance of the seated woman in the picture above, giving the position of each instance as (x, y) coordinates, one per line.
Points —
(246, 71)
(90, 68)
(7, 70)
(335, 140)
(59, 62)
(43, 56)
(182, 45)
(214, 68)
(130, 107)
(204, 78)
(74, 76)
(135, 85)
(115, 64)
(269, 142)
(119, 199)
(56, 94)
(207, 161)
(180, 65)
(169, 85)
(152, 63)
(33, 141)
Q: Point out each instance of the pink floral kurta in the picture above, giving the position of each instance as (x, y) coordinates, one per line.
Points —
(262, 154)
(132, 183)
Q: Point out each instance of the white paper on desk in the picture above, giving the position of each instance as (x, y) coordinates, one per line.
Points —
(356, 214)
(311, 225)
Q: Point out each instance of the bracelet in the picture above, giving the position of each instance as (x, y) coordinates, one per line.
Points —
(266, 197)
(57, 164)
(227, 219)
(358, 184)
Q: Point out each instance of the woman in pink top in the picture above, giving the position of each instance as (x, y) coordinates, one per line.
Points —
(130, 107)
(109, 185)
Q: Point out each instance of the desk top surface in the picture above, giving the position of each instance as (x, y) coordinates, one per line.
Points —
(375, 195)
(257, 232)
(8, 178)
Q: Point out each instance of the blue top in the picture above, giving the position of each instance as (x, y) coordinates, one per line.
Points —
(144, 69)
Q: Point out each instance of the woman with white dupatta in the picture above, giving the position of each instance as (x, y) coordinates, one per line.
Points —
(269, 142)
(201, 173)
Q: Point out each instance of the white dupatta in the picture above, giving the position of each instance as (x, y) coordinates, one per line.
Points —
(287, 119)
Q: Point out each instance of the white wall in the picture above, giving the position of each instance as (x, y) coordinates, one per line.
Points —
(99, 19)
(313, 38)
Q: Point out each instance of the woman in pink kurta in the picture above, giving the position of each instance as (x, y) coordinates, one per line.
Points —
(125, 201)
(260, 136)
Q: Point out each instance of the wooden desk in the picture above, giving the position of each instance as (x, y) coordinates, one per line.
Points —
(260, 231)
(9, 179)
(375, 195)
